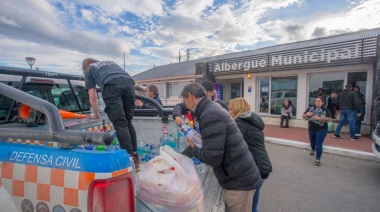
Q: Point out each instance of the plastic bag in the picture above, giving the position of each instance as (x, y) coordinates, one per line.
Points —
(171, 181)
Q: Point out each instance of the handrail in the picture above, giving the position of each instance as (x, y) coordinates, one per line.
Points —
(57, 131)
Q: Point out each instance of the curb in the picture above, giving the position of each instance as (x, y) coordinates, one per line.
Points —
(326, 149)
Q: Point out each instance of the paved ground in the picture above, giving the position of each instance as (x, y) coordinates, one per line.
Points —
(301, 135)
(340, 184)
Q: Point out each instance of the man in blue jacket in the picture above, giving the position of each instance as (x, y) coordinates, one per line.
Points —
(223, 148)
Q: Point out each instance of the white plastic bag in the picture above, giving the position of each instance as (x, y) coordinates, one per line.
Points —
(171, 180)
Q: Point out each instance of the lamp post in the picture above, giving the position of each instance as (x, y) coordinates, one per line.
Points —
(30, 61)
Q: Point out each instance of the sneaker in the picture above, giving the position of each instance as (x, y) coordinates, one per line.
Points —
(358, 135)
(355, 138)
(317, 162)
(312, 152)
(336, 136)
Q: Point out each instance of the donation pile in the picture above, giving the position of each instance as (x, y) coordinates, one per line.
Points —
(170, 182)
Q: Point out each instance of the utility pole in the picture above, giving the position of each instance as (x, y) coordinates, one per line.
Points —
(124, 61)
(179, 55)
(188, 54)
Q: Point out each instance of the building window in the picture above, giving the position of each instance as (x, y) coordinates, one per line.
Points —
(274, 91)
(264, 95)
(326, 81)
(334, 81)
(172, 90)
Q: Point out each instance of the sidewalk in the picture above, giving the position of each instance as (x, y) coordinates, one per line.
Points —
(298, 137)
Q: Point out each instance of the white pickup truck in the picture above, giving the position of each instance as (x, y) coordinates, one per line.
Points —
(43, 165)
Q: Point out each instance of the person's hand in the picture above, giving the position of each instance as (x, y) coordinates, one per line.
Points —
(309, 114)
(139, 103)
(191, 144)
(178, 120)
(316, 118)
(95, 117)
(359, 114)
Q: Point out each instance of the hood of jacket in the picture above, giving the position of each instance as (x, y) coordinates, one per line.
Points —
(253, 119)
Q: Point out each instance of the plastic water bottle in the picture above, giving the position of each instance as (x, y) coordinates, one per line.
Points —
(182, 143)
(113, 146)
(151, 148)
(100, 148)
(89, 146)
(165, 137)
(146, 157)
(102, 107)
(171, 142)
(199, 165)
(192, 135)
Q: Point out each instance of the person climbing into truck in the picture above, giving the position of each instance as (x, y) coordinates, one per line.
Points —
(119, 96)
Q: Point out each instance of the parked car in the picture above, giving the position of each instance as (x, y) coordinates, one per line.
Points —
(376, 140)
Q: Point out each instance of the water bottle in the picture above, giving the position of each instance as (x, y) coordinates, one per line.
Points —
(151, 148)
(89, 146)
(113, 146)
(146, 157)
(171, 142)
(100, 148)
(165, 137)
(192, 135)
(199, 165)
(323, 114)
(182, 143)
(101, 107)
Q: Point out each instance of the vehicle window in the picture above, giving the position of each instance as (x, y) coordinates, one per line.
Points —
(5, 102)
(64, 99)
(57, 94)
(290, 94)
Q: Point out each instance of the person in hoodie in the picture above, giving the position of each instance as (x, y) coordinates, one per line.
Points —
(251, 126)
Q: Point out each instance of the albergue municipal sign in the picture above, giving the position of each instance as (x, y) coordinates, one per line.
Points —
(277, 59)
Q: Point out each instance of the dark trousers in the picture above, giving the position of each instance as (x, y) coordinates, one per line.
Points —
(316, 141)
(286, 118)
(119, 97)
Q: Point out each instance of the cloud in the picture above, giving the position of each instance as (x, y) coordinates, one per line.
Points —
(363, 15)
(60, 33)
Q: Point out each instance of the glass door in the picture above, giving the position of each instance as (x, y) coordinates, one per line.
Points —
(236, 90)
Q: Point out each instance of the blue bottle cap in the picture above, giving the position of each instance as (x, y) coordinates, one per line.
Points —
(196, 160)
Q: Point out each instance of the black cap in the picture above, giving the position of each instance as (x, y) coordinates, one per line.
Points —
(209, 86)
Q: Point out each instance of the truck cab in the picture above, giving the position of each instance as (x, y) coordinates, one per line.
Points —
(52, 164)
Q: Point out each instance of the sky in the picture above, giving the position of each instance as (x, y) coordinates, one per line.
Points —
(61, 33)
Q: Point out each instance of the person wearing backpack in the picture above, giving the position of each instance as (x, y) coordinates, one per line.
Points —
(318, 116)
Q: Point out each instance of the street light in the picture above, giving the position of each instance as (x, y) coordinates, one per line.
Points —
(30, 61)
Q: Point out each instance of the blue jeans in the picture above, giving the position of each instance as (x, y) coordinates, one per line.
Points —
(316, 140)
(358, 123)
(256, 198)
(350, 116)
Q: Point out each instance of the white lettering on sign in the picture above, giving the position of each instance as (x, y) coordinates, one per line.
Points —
(44, 159)
(322, 55)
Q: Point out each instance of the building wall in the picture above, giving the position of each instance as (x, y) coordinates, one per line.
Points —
(181, 81)
(302, 89)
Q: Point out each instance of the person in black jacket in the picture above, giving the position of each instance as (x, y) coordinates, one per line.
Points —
(251, 126)
(223, 148)
(180, 108)
(349, 107)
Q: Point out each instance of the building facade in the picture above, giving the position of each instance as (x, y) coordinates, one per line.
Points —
(296, 71)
